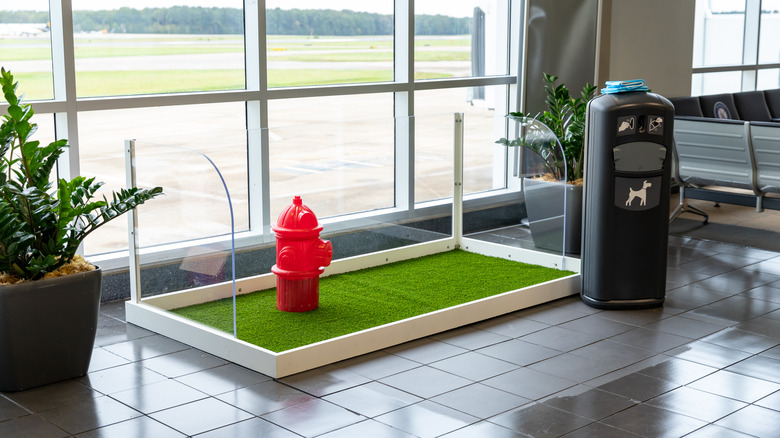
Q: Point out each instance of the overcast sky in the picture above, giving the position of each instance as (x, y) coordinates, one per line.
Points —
(458, 8)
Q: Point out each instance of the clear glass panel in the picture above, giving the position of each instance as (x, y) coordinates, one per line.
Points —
(718, 33)
(713, 83)
(483, 160)
(174, 46)
(25, 47)
(768, 79)
(196, 202)
(769, 38)
(538, 159)
(101, 150)
(334, 42)
(339, 155)
(459, 39)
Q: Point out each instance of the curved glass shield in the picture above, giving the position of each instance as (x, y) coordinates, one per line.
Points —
(184, 240)
(541, 163)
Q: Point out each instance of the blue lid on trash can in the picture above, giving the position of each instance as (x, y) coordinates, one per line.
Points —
(624, 86)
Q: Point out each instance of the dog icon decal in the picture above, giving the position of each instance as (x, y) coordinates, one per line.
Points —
(641, 194)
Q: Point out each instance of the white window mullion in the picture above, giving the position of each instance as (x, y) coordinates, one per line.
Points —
(64, 74)
(257, 116)
(404, 104)
(750, 44)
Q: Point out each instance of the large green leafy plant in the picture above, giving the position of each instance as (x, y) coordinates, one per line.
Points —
(565, 116)
(42, 226)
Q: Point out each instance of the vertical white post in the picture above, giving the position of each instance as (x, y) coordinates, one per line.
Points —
(457, 173)
(132, 227)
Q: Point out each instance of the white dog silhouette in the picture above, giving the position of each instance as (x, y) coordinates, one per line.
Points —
(641, 194)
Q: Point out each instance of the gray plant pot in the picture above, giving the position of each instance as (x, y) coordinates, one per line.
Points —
(544, 205)
(47, 329)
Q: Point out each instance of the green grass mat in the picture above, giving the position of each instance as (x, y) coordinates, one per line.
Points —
(359, 300)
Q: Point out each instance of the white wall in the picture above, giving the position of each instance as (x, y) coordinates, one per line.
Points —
(648, 40)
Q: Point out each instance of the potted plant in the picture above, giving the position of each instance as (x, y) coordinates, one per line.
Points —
(49, 295)
(558, 161)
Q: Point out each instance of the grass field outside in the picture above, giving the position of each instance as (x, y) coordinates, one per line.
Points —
(359, 300)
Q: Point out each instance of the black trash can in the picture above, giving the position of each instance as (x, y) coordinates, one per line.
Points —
(628, 149)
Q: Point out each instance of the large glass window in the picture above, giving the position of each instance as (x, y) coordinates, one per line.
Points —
(25, 47)
(216, 130)
(336, 153)
(453, 39)
(736, 46)
(175, 74)
(175, 46)
(335, 42)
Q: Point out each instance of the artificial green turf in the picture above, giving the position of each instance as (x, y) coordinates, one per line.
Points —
(371, 297)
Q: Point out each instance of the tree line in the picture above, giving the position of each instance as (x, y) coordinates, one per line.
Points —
(200, 20)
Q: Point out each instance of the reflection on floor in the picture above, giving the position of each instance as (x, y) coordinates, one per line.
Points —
(706, 364)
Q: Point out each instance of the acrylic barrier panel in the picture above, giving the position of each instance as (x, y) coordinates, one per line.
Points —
(537, 158)
(184, 239)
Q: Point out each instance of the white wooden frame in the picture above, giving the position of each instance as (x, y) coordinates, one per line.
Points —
(154, 313)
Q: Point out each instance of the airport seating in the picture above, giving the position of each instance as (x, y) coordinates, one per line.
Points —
(728, 140)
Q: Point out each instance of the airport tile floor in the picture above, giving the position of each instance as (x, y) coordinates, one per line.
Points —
(706, 364)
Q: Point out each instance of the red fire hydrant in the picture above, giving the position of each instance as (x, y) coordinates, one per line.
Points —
(301, 256)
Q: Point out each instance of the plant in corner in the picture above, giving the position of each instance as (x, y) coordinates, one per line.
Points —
(47, 325)
(561, 160)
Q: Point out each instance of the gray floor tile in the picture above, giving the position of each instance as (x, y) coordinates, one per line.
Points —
(367, 428)
(425, 382)
(265, 397)
(377, 365)
(519, 352)
(325, 380)
(315, 417)
(540, 420)
(652, 340)
(679, 371)
(31, 426)
(90, 414)
(600, 430)
(528, 383)
(737, 309)
(252, 428)
(121, 378)
(102, 359)
(654, 422)
(158, 396)
(484, 429)
(763, 326)
(372, 399)
(597, 326)
(560, 339)
(146, 347)
(201, 416)
(221, 379)
(771, 401)
(638, 387)
(426, 350)
(708, 354)
(480, 400)
(715, 431)
(697, 404)
(182, 362)
(736, 386)
(511, 326)
(10, 410)
(742, 340)
(140, 427)
(470, 338)
(753, 420)
(587, 402)
(427, 419)
(53, 396)
(474, 366)
(685, 327)
(760, 367)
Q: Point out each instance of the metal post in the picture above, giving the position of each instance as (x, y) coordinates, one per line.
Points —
(457, 173)
(132, 227)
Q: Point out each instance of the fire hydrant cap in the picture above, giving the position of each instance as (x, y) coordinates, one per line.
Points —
(297, 217)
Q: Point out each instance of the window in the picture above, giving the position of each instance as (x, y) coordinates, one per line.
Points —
(736, 46)
(348, 103)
